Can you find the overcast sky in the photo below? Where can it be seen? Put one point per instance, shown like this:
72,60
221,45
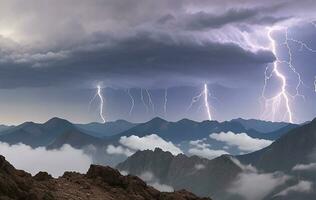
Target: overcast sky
53,54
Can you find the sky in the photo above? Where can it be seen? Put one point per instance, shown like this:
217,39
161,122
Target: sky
151,58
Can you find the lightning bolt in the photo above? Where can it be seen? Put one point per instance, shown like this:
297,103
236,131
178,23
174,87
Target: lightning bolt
165,102
99,94
290,64
143,100
302,45
132,101
282,95
207,106
315,84
92,100
150,100
205,93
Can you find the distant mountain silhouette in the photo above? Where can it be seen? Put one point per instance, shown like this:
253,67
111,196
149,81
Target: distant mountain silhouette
5,128
75,138
186,130
54,133
261,126
200,176
106,129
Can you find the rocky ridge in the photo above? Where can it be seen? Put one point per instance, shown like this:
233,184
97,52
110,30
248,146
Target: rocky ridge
99,183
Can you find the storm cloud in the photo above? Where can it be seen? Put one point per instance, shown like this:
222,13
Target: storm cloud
109,41
77,44
175,43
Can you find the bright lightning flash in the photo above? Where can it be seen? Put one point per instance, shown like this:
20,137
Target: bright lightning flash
165,102
315,84
282,95
207,106
99,94
151,103
205,93
143,100
132,101
101,103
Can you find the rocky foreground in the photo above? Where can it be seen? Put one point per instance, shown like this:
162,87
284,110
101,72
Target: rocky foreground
99,183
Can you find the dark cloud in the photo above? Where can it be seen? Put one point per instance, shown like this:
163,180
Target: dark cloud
203,20
134,42
141,57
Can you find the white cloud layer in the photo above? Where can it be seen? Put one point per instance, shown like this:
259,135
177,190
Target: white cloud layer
199,166
206,152
301,187
151,180
200,143
134,143
201,149
118,150
246,184
305,167
149,142
241,140
55,162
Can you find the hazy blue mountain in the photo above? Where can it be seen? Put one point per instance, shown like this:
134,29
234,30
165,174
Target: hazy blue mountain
183,130
4,128
55,131
204,177
296,147
261,126
186,130
75,138
106,129
201,176
272,135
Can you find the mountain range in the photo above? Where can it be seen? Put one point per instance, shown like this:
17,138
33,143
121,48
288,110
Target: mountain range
4,128
186,130
53,134
56,132
261,126
298,146
198,175
288,162
106,129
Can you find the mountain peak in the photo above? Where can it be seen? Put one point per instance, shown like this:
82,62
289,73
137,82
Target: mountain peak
195,171
157,120
185,120
121,121
314,120
57,121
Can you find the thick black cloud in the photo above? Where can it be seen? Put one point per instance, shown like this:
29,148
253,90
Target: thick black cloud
137,59
136,43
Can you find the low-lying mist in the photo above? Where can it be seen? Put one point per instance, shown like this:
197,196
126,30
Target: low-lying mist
55,162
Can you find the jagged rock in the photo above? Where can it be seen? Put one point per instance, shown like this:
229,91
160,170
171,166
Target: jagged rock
181,171
42,176
100,183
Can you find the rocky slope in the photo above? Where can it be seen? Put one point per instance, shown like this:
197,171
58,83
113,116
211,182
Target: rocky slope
100,183
296,147
201,176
